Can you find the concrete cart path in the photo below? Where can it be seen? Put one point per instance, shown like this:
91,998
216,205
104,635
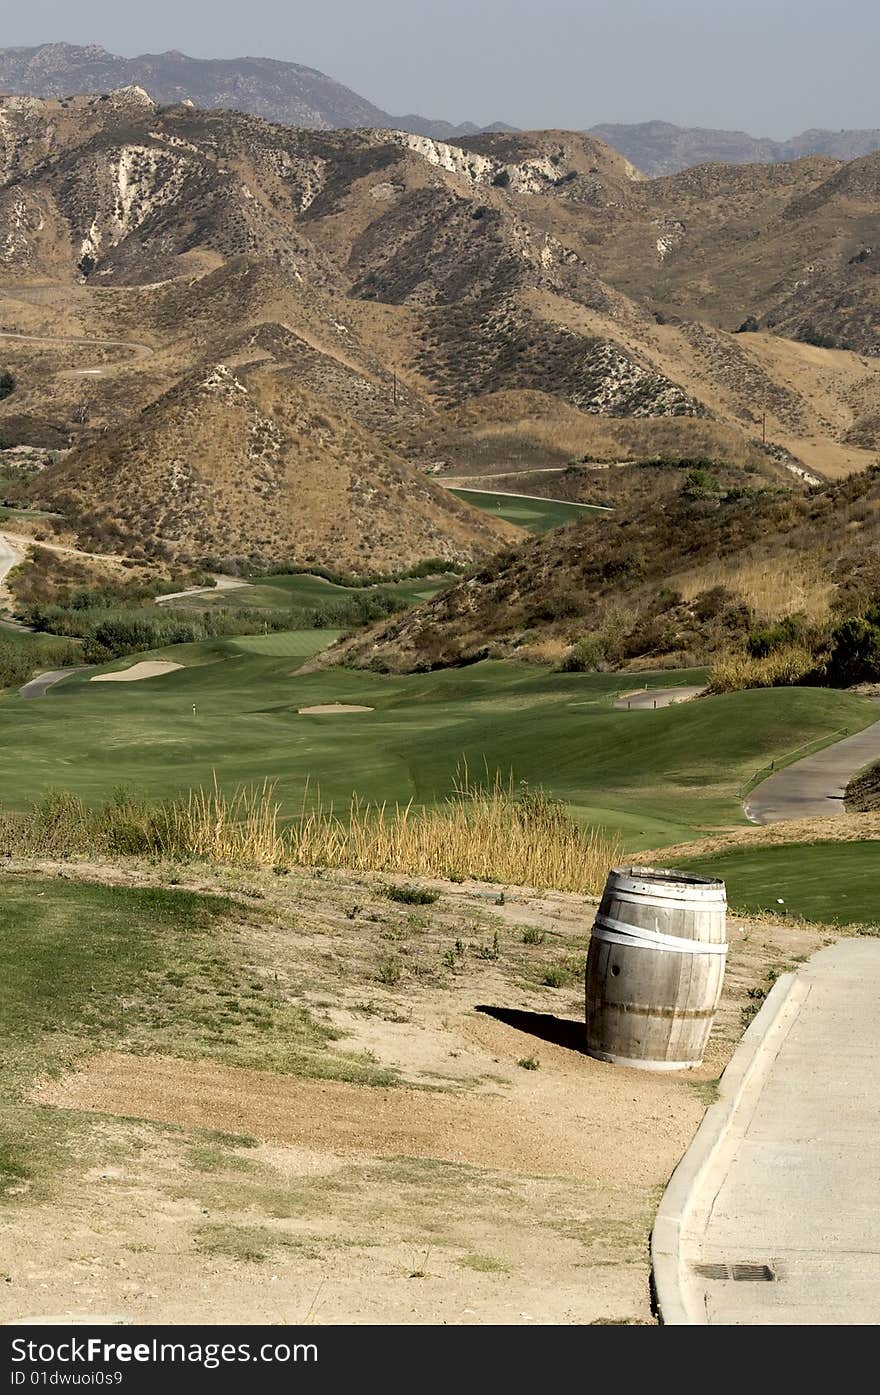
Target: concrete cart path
793,1184
813,788
38,686
649,698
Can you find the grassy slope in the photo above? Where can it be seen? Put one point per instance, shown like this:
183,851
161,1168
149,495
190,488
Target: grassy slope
83,965
538,515
656,776
835,883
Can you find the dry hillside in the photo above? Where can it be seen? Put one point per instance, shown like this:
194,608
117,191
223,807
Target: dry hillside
256,467
501,302
687,564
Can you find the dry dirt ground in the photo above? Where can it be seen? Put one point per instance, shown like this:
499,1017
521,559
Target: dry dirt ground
505,1177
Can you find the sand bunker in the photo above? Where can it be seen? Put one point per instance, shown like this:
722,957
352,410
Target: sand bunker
152,668
332,707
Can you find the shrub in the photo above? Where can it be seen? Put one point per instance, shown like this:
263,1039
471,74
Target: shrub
789,631
587,655
412,895
701,484
20,658
7,384
810,335
855,652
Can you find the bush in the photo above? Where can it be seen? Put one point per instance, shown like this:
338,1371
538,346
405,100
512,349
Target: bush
7,384
412,895
701,484
21,658
819,340
587,655
788,632
855,651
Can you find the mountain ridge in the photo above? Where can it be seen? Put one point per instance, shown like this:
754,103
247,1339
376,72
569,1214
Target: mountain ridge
659,148
271,88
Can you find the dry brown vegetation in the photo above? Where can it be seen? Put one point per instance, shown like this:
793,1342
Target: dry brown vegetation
610,584
771,586
229,465
492,833
784,668
588,311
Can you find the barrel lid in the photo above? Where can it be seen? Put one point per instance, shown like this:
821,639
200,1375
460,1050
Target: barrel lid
668,882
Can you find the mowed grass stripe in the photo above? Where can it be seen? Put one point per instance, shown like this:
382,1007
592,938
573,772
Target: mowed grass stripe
287,644
835,883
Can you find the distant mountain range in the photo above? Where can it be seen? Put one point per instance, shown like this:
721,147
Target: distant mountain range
657,147
298,96
283,92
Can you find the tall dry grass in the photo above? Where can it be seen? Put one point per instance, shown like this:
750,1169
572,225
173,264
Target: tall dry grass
780,669
772,586
494,832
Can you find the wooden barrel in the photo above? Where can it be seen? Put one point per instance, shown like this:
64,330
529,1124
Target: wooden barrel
655,968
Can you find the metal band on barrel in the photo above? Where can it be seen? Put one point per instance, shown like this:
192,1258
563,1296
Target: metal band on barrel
618,932
633,897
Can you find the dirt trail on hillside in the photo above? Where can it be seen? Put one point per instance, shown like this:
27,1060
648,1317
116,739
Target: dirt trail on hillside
137,351
9,558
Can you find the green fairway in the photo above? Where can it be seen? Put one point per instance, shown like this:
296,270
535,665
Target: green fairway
294,592
538,515
657,776
833,882
286,644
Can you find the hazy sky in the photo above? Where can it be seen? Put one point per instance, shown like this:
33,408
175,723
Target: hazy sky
772,67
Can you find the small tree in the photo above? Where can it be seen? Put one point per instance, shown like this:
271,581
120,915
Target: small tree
7,384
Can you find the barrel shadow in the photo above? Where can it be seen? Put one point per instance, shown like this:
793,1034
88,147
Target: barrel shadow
561,1031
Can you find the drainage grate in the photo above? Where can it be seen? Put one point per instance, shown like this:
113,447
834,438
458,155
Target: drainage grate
742,1273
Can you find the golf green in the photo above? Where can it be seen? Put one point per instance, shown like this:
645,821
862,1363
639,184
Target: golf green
657,776
538,515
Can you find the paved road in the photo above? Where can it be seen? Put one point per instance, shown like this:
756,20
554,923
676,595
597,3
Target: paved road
796,1184
649,698
38,686
813,788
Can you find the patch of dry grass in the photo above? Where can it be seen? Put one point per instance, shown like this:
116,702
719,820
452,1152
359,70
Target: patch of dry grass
495,834
492,834
782,668
772,587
